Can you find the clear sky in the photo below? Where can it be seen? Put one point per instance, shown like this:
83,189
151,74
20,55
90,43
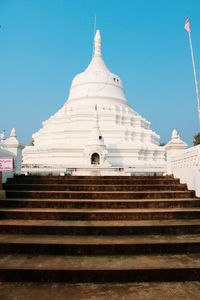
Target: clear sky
45,43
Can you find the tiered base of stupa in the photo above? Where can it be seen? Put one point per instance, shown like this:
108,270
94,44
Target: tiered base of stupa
111,140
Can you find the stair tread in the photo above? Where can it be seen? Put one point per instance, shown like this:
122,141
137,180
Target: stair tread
97,240
101,262
103,184
102,223
101,192
105,200
103,210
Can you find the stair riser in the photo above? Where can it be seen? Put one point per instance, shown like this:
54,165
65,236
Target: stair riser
100,204
100,276
106,195
94,188
114,249
85,230
100,215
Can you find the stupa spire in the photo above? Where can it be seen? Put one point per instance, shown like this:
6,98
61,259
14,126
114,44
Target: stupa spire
97,44
96,137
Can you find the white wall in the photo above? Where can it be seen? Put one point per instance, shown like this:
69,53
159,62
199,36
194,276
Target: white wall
186,166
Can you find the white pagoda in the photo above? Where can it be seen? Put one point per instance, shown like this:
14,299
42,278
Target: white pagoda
95,130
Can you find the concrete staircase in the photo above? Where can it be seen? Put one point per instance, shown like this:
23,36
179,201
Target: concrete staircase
99,229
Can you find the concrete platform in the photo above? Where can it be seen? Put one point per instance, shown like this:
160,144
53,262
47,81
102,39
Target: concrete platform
128,291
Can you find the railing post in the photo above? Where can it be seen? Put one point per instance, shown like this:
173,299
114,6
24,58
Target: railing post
173,148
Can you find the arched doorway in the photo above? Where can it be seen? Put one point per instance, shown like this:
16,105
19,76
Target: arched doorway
95,159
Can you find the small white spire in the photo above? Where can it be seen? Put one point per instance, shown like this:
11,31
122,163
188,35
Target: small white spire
175,142
175,134
13,133
97,43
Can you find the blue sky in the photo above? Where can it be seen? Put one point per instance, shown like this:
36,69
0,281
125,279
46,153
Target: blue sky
45,43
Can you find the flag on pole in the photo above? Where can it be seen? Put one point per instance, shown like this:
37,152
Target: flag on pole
187,25
187,28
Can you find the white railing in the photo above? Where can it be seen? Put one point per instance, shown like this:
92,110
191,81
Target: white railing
41,169
37,168
186,166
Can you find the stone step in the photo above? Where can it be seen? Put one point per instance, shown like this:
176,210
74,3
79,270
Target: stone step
86,181
102,203
99,229
95,187
114,227
100,214
98,245
117,268
99,195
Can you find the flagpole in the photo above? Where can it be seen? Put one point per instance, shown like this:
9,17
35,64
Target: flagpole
195,75
95,24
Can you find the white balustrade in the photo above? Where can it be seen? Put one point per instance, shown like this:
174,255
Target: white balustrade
186,166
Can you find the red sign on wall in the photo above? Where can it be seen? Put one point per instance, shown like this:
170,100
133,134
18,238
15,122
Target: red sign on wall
6,164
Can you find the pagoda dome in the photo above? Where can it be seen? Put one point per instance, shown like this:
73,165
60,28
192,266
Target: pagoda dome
95,128
97,82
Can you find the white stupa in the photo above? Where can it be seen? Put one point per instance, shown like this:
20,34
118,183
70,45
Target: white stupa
95,129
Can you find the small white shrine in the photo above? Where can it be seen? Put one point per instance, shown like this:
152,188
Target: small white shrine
11,147
95,130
